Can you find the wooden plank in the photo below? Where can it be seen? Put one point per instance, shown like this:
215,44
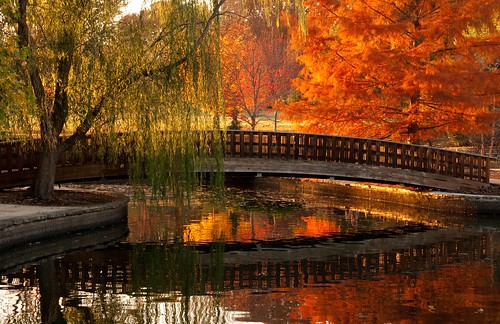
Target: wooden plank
393,148
387,163
488,171
321,152
250,144
288,144
295,154
241,144
403,156
259,150
351,151
377,153
270,138
313,147
233,144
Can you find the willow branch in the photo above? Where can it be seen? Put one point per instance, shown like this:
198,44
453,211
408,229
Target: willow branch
130,78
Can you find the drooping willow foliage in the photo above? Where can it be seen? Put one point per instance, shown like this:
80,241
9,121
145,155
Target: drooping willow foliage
173,112
147,85
13,95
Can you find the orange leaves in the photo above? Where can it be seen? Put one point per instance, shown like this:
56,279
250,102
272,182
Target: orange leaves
257,68
402,69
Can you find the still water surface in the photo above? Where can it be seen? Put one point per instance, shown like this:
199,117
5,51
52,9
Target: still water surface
265,252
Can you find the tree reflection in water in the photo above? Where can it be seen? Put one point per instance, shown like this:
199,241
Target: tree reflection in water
265,259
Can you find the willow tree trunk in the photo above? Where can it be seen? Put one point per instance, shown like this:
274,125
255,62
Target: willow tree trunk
43,183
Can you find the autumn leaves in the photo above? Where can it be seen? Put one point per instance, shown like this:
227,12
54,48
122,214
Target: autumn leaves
406,70
257,65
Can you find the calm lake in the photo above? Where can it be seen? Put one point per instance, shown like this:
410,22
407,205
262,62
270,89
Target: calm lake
264,251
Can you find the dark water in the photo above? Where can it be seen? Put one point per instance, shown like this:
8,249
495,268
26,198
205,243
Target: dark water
266,252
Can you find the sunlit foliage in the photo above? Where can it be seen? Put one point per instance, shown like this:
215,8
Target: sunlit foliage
82,67
152,76
257,64
407,70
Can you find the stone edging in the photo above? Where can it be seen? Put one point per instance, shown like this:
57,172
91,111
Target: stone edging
47,224
424,200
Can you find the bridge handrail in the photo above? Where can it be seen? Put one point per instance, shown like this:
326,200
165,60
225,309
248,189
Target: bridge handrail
360,138
288,145
374,152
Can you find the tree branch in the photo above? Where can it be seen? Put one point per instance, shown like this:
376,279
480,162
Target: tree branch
23,42
128,79
85,125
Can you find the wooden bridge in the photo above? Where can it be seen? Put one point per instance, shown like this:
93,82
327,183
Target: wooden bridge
262,153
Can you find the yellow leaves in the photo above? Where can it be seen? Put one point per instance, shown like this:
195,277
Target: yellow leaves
481,31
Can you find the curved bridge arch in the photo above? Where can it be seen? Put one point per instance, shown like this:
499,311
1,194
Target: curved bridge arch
286,154
317,155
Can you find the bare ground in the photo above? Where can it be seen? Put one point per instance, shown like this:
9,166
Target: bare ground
60,198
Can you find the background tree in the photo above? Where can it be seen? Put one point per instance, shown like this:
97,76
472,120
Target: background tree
406,70
257,63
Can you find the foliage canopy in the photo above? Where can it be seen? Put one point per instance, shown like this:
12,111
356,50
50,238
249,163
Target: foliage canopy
257,65
406,70
73,68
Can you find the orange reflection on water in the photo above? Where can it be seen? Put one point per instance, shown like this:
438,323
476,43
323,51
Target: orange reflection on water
254,226
317,227
444,295
230,227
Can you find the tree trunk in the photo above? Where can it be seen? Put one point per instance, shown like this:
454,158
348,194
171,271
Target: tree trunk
492,141
43,184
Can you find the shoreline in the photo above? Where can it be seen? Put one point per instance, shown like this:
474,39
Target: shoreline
22,224
435,201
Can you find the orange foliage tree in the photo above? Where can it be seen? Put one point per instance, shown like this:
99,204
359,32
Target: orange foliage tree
401,69
257,66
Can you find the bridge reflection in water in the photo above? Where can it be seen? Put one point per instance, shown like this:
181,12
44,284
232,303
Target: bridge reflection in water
114,272
179,283
128,269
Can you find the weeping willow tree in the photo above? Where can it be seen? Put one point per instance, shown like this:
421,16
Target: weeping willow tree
83,68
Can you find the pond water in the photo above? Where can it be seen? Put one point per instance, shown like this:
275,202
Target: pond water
267,251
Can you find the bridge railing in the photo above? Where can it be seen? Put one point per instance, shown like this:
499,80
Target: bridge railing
301,146
18,160
87,159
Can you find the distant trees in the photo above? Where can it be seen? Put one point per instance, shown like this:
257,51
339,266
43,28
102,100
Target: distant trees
257,64
406,70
